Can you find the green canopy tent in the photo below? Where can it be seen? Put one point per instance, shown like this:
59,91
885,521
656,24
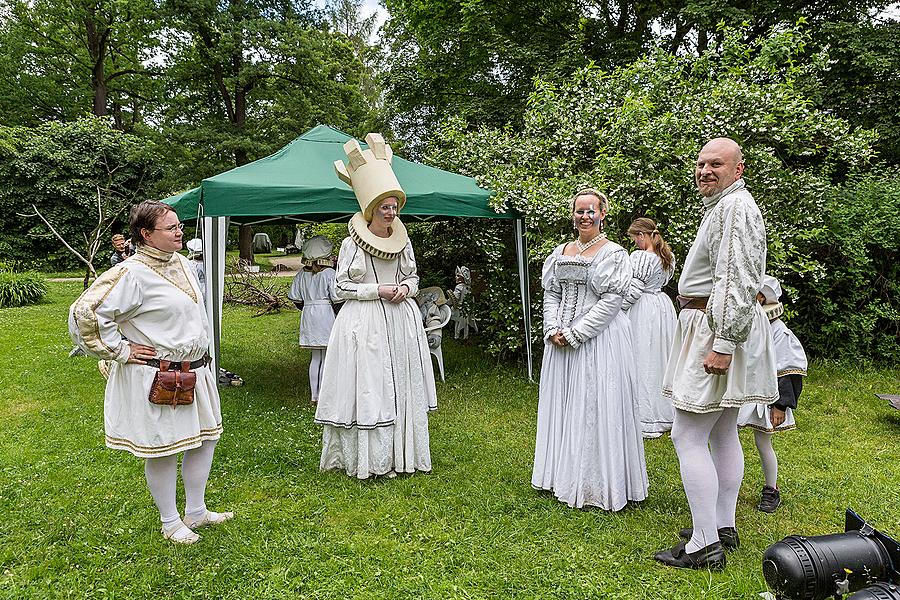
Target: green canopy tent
298,184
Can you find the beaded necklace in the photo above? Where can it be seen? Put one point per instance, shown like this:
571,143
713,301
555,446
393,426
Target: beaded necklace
582,246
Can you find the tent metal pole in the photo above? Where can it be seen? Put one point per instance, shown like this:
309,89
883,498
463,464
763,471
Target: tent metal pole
214,236
524,290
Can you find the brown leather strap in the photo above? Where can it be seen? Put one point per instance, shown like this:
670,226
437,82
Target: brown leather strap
687,303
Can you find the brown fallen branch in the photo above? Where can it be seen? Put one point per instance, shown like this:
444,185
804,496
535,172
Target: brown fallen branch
261,290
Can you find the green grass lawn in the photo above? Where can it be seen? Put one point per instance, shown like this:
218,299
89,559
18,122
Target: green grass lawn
76,519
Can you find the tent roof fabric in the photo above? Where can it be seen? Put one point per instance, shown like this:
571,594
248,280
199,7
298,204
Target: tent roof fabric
299,181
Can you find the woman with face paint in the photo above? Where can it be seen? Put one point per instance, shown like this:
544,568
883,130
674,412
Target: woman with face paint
653,320
588,449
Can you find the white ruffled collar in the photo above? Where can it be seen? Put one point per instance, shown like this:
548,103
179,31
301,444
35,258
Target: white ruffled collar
386,248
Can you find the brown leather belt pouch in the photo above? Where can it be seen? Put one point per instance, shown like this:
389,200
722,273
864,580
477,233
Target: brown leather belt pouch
173,387
692,303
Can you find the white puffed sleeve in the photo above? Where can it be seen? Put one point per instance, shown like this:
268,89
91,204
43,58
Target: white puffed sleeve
737,252
552,293
610,281
350,272
642,267
94,316
407,274
329,275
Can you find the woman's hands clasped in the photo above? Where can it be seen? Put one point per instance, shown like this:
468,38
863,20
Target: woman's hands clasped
558,339
139,354
393,293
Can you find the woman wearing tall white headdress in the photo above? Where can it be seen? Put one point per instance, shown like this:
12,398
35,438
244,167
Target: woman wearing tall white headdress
313,292
377,383
653,320
588,447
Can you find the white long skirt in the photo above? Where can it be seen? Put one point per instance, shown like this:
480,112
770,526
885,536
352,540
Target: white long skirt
148,430
377,389
653,322
589,450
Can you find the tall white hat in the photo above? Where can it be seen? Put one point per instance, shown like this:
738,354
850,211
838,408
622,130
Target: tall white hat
372,179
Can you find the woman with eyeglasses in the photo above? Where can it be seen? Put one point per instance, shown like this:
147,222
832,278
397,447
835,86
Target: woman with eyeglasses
378,384
145,315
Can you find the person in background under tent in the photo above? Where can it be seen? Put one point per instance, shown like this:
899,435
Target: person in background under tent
313,292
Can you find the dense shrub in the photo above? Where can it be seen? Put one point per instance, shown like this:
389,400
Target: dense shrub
21,289
635,133
853,309
62,168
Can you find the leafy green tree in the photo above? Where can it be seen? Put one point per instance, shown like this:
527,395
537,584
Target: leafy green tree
65,171
635,133
861,81
476,59
248,77
78,57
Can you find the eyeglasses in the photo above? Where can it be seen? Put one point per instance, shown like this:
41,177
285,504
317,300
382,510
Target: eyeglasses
171,228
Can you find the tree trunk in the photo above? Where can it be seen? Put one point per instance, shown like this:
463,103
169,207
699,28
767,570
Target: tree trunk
245,243
96,44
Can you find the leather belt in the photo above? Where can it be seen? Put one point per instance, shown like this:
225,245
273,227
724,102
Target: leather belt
176,365
687,303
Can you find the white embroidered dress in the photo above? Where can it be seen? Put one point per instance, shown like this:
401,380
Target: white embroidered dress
653,320
588,448
790,359
153,298
316,290
726,263
377,381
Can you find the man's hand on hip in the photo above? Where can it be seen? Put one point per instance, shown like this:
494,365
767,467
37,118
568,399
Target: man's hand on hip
716,363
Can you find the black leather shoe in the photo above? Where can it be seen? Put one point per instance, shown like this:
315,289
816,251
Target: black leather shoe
727,535
771,500
712,557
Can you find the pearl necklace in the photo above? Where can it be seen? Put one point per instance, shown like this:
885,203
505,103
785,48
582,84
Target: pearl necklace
582,246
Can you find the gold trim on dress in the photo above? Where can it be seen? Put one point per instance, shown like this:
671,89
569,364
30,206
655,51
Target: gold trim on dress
124,444
84,310
182,282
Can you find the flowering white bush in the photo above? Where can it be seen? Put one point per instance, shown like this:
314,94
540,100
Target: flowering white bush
635,134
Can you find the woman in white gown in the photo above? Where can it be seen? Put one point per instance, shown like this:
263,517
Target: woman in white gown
377,384
653,320
588,450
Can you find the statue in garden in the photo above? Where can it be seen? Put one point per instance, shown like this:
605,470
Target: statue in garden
456,298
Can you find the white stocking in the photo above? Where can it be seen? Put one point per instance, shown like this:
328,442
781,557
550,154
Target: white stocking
195,472
767,457
704,472
162,474
728,456
315,372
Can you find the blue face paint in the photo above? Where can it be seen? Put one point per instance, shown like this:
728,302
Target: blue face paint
589,213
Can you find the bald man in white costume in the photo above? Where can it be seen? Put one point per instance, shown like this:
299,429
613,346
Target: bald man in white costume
722,355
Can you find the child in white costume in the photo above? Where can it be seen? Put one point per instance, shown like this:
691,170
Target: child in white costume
314,288
790,361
